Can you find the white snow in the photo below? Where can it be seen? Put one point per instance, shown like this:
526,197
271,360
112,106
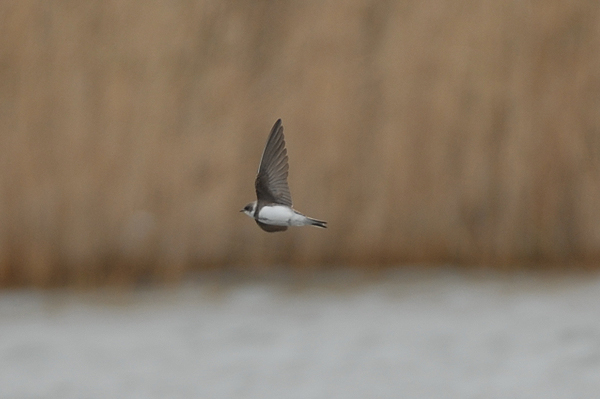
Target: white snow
404,335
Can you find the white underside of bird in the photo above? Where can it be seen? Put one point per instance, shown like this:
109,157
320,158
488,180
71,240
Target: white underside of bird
281,215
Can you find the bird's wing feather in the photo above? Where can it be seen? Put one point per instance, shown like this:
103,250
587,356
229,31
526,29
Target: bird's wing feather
271,181
271,228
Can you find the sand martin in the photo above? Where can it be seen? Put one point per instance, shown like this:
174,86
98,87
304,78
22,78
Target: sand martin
273,209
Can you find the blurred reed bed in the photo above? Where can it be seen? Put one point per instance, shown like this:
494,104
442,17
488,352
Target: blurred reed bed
422,131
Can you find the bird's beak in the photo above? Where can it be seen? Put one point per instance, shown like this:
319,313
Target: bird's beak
241,210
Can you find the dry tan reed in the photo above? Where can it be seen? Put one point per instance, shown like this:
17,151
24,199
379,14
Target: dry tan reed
433,130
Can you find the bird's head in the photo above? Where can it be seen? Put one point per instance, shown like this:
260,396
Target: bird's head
250,209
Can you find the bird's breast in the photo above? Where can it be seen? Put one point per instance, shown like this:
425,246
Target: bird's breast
275,214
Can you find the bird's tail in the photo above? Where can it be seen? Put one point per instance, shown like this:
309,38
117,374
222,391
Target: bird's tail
319,223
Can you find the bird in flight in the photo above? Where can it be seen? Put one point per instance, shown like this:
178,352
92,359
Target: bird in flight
273,209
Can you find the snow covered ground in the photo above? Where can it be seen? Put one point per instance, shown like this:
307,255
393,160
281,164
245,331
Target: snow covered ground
404,335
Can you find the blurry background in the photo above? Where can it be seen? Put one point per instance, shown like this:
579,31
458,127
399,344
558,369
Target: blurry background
461,134
464,132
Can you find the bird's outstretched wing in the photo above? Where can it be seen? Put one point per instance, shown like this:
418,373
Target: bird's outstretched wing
271,182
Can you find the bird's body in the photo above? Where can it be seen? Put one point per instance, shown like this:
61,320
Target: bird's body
273,210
